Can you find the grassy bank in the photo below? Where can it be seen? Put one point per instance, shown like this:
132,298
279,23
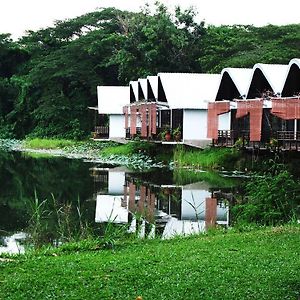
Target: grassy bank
38,143
211,158
262,264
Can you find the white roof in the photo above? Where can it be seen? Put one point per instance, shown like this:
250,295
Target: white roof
274,74
294,61
153,80
143,83
189,90
240,78
111,99
135,88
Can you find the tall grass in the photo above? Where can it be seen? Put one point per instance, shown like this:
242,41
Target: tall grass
210,158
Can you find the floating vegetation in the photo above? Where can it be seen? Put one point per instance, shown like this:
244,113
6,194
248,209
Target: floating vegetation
9,144
134,161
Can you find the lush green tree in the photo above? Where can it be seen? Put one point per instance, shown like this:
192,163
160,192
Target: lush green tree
159,43
244,46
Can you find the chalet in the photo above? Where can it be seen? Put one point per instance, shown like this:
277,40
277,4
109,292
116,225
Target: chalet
256,107
174,103
262,107
141,114
110,122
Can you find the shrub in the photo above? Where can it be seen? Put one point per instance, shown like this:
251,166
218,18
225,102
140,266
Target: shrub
270,199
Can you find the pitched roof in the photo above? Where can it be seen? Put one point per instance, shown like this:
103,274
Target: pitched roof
240,77
143,84
153,81
274,74
111,99
189,90
135,88
289,78
295,61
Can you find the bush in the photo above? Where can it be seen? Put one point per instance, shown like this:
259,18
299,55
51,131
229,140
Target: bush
270,199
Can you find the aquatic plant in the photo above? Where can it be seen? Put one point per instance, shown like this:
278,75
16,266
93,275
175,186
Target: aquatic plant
37,227
9,144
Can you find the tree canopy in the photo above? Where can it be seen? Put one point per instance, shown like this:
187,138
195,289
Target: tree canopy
48,77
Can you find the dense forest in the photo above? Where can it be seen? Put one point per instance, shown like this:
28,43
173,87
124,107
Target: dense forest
48,77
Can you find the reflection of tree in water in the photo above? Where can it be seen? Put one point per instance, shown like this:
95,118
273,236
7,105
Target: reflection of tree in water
21,176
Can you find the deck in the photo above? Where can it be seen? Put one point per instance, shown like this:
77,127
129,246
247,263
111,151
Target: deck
278,141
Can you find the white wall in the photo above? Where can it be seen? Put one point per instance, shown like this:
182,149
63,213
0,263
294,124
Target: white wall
193,205
109,208
116,181
117,126
224,121
194,124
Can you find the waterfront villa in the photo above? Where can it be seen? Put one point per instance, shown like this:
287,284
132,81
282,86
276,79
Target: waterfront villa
254,108
266,115
110,119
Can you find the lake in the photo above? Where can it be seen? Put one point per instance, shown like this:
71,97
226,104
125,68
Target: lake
56,199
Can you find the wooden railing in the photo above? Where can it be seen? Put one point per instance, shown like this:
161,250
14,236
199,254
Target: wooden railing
288,140
280,140
288,135
101,132
159,136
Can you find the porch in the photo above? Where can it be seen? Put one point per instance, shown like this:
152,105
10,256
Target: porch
163,134
279,140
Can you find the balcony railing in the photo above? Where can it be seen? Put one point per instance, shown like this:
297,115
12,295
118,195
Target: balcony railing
159,136
279,140
101,132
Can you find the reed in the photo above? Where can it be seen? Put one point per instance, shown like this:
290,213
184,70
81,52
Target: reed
210,158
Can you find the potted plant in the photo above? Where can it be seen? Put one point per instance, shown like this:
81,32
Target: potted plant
168,135
165,134
177,134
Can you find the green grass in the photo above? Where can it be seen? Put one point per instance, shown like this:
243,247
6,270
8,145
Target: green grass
260,264
50,144
211,158
117,150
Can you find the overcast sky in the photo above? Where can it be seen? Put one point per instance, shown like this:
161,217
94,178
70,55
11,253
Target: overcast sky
16,16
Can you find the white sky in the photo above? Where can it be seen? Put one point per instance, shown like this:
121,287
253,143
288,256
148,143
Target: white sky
16,16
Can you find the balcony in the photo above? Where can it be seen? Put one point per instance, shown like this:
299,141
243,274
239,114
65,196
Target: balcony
279,140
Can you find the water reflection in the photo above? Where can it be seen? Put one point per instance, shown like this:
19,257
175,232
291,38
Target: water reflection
160,203
13,244
153,210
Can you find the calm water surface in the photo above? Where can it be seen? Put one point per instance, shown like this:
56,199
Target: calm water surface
160,203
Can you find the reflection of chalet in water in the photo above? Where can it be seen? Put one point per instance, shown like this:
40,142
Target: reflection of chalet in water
153,210
110,204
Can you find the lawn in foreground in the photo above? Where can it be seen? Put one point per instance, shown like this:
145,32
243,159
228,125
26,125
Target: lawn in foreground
261,264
